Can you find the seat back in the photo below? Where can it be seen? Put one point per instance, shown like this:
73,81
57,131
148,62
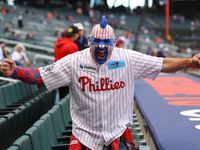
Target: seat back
13,92
23,143
50,128
65,112
54,117
18,90
7,94
13,148
3,131
40,124
11,128
3,104
35,138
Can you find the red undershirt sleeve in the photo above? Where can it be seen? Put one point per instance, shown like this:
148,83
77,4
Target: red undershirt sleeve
28,75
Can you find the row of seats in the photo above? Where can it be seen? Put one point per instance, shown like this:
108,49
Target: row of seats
52,131
21,105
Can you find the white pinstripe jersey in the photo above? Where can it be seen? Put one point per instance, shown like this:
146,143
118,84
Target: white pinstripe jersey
101,100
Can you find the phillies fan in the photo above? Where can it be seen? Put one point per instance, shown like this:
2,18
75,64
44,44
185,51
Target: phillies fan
101,82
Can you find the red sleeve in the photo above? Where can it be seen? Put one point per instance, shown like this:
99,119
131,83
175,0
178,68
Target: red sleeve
28,75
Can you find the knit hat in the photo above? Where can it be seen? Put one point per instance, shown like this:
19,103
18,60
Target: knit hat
71,31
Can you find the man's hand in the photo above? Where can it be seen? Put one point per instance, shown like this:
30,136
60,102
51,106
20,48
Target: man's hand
7,67
196,61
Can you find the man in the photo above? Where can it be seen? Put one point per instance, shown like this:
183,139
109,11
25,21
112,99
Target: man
119,43
160,51
81,42
66,45
63,47
101,81
125,38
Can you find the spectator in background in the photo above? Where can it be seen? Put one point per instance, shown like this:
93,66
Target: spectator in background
28,35
79,10
19,56
18,36
82,41
63,47
33,37
28,11
63,34
150,51
120,43
160,51
4,11
166,52
8,27
125,38
20,21
5,52
1,53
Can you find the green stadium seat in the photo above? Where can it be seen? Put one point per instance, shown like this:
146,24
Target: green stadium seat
50,127
13,148
7,94
3,133
23,143
3,105
58,119
18,90
35,138
40,124
64,105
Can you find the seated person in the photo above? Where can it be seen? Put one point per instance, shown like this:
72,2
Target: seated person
19,56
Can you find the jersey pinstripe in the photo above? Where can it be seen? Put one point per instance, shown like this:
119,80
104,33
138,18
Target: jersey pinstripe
101,101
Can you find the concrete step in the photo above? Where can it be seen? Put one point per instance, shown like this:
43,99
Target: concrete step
135,124
137,135
135,129
139,142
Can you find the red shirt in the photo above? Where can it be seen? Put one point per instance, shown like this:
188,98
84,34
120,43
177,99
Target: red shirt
63,47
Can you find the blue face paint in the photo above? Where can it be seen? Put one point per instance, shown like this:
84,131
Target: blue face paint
96,41
103,22
101,61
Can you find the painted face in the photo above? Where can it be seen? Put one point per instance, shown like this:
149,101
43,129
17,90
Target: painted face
102,41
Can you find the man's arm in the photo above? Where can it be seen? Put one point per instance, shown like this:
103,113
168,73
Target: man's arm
176,64
28,75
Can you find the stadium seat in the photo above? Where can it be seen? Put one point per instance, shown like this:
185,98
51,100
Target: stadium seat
3,131
23,143
59,122
49,125
10,128
65,110
51,131
3,105
35,138
40,124
7,94
13,148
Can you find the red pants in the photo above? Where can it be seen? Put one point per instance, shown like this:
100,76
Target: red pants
126,137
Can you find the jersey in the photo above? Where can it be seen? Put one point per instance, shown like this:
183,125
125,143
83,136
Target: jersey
101,100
